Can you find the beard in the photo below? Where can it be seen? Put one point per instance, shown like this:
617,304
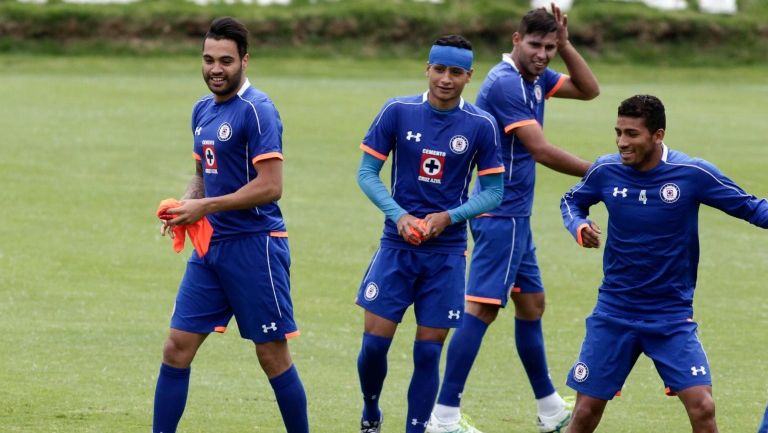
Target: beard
230,83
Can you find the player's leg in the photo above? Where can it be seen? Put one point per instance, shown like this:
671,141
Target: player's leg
680,359
438,305
586,414
255,274
700,406
764,425
200,308
529,300
491,271
385,294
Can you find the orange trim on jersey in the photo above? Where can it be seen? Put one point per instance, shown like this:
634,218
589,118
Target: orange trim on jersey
293,334
279,234
372,152
220,329
559,84
578,233
512,126
618,393
196,156
669,392
516,290
493,170
484,215
270,155
481,300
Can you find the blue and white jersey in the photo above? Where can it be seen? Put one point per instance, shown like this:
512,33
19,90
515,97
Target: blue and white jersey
230,137
514,102
433,155
652,251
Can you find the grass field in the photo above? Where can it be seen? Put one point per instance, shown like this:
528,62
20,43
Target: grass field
89,146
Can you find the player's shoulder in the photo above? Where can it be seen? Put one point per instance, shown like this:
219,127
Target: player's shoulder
476,113
676,158
400,103
605,164
253,96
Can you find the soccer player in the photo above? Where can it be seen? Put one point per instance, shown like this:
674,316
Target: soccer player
238,147
504,260
436,139
645,302
764,425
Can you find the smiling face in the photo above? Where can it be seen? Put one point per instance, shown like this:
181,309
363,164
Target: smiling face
446,84
639,148
223,69
533,52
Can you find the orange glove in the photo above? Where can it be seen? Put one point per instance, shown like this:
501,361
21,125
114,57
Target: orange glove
200,232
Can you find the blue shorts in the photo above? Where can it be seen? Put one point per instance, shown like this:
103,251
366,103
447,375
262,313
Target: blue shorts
248,277
613,344
432,282
503,260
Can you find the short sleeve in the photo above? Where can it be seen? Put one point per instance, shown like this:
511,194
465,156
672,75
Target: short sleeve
265,132
380,138
551,81
508,100
488,151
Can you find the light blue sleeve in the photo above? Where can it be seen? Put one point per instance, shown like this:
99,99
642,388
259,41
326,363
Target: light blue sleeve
371,184
487,200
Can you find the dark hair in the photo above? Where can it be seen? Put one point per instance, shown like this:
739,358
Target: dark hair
457,41
646,107
537,21
232,29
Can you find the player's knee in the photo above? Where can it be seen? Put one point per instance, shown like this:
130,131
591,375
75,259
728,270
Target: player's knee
485,312
529,306
274,358
587,414
702,410
176,354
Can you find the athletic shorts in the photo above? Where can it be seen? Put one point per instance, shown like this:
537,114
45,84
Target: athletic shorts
613,344
248,277
503,260
432,282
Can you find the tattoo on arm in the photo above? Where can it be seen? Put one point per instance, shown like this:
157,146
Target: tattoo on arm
196,186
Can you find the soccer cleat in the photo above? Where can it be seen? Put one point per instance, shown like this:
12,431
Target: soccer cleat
557,422
371,426
463,426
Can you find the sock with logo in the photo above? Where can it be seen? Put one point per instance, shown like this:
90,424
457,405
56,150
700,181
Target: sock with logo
462,351
170,398
424,384
529,340
291,399
372,369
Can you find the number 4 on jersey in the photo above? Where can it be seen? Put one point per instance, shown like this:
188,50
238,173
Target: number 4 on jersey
643,198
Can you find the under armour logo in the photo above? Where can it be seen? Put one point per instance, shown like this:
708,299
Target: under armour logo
416,136
272,327
616,191
695,371
414,421
198,130
454,314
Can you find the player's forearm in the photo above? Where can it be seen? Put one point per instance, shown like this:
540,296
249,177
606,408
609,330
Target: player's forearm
370,183
487,200
195,188
255,193
559,160
581,75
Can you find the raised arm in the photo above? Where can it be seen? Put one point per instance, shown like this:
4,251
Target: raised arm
546,153
582,83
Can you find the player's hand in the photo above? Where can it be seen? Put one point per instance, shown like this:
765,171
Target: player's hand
189,212
436,223
562,25
166,229
590,236
412,229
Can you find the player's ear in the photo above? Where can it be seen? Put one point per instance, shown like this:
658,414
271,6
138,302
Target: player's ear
245,60
658,136
426,72
516,38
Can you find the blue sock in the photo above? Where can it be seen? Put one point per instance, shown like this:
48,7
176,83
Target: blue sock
764,426
291,399
170,398
462,351
372,369
424,384
529,339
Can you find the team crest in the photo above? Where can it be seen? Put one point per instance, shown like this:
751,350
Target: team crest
371,291
210,165
459,144
580,372
225,131
431,166
537,93
670,193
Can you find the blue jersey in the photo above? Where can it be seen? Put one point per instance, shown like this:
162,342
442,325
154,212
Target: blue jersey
652,251
513,102
433,155
230,137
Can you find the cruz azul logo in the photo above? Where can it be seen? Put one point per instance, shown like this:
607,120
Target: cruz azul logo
431,167
210,165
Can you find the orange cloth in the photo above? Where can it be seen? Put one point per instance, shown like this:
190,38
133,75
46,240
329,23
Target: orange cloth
199,232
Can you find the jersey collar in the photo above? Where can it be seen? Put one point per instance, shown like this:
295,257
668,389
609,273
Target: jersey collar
507,58
425,97
664,151
244,87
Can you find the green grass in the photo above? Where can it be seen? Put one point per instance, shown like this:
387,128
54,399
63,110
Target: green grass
87,284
